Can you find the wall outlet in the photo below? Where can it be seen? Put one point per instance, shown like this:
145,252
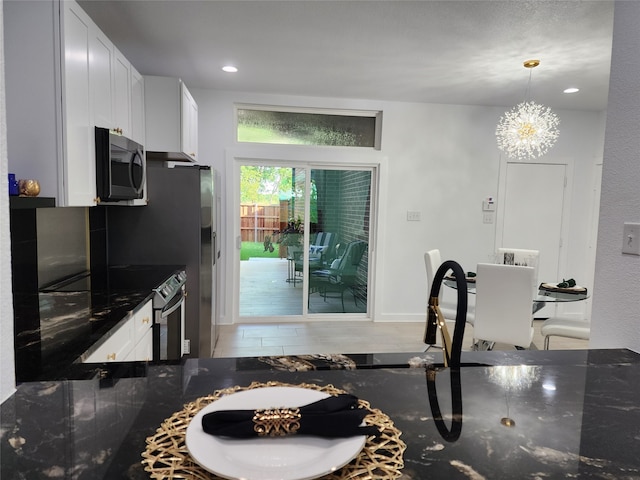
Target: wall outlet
487,217
631,238
186,347
413,216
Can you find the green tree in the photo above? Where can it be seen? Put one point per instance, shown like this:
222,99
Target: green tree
263,184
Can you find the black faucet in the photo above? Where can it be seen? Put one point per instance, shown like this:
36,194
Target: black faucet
435,319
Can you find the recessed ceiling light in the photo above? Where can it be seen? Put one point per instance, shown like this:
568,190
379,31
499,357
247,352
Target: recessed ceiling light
229,69
571,90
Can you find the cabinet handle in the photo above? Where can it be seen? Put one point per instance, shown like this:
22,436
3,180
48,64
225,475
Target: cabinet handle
145,320
111,356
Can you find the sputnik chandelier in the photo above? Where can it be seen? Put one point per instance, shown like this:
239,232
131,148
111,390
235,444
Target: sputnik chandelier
529,129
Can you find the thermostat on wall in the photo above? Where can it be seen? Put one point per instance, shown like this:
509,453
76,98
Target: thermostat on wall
489,205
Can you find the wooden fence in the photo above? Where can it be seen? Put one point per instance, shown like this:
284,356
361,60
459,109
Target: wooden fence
256,221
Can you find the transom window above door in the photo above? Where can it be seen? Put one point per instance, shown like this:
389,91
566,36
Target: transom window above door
305,126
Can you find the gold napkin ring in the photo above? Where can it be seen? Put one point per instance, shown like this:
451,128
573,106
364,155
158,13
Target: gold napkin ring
276,422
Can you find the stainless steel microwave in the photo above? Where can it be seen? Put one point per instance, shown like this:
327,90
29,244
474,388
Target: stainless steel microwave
120,167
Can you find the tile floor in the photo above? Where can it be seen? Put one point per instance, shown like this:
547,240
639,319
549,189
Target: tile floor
264,291
247,340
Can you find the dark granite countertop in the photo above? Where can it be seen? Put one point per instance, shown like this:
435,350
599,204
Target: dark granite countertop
56,325
574,414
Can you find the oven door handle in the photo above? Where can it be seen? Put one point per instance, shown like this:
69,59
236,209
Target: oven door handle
174,307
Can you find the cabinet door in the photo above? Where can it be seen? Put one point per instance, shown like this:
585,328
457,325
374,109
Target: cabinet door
137,107
189,120
193,129
142,334
143,351
142,321
116,348
78,165
101,70
122,89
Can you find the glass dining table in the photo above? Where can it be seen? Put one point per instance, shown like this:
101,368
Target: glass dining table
543,297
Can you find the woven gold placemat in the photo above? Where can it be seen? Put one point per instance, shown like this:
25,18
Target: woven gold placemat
166,455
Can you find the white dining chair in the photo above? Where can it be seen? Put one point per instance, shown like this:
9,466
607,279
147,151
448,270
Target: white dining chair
565,327
432,261
520,257
504,305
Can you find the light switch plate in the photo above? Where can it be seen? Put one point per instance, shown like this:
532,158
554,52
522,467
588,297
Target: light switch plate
631,238
413,216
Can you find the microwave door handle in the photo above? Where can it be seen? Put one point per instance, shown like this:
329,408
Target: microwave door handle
138,188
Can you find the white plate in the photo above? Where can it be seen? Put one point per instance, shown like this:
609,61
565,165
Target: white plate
297,457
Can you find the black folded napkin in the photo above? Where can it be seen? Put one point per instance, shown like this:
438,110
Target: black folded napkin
567,283
333,417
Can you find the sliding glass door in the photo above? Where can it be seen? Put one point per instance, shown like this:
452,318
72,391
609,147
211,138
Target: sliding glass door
305,234
338,241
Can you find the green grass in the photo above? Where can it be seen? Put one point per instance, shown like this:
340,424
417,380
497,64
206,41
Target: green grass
256,249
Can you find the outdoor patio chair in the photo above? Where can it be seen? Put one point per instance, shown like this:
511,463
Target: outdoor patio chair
341,277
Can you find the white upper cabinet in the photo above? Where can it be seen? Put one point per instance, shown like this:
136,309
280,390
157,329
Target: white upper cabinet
112,83
137,107
78,158
101,68
56,96
171,119
189,123
122,97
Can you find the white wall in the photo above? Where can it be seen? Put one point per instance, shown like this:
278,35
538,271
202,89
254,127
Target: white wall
442,161
616,302
7,371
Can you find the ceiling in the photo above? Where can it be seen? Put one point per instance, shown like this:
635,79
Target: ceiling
452,51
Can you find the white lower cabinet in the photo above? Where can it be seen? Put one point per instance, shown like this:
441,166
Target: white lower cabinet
142,335
131,340
116,348
143,351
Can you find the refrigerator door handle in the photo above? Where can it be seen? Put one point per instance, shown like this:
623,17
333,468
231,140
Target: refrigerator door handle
214,250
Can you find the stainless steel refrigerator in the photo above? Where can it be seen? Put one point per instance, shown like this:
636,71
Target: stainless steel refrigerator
177,227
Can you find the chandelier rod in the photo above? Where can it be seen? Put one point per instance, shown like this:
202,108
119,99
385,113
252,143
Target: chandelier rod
530,64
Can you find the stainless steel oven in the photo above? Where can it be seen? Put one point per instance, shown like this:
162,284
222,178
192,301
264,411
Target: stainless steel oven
168,319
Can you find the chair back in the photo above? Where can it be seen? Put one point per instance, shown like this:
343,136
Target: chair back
504,304
520,257
323,244
517,256
432,261
348,265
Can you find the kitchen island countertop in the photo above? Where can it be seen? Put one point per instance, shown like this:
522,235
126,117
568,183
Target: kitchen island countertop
572,414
